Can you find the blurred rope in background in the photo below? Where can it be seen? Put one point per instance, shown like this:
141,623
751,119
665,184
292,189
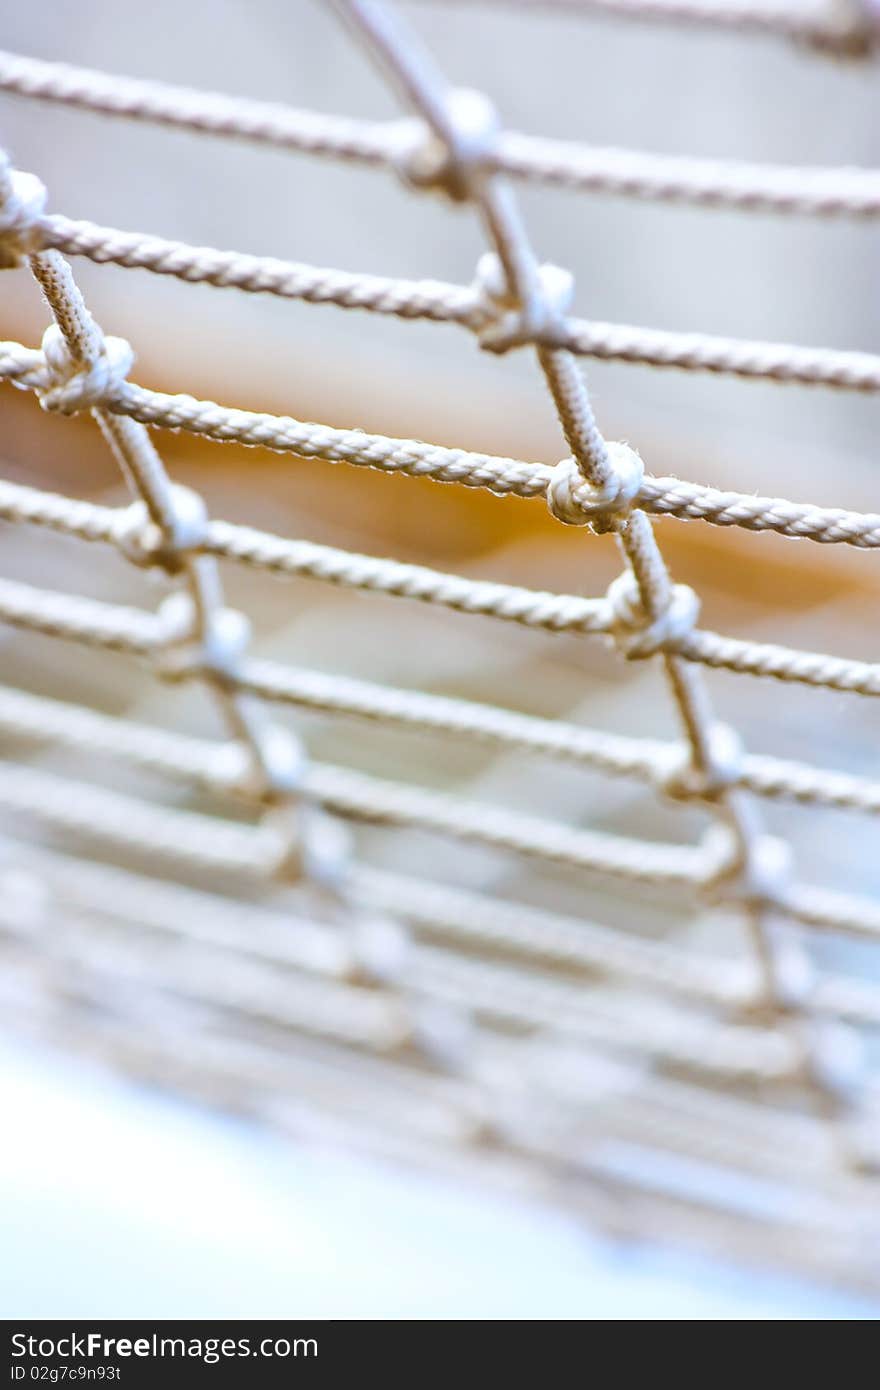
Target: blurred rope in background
687,1063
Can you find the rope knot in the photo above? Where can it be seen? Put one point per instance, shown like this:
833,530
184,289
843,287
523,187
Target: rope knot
22,204
759,876
852,29
455,164
377,950
575,501
145,543
506,322
189,642
834,1058
303,842
277,768
81,385
682,780
637,635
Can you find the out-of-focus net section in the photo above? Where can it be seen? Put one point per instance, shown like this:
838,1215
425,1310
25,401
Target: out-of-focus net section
531,966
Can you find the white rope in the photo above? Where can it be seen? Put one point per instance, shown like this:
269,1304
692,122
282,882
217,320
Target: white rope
651,761
494,924
660,496
193,842
91,621
706,183
414,458
451,915
782,663
649,615
510,997
85,368
436,911
384,803
469,306
355,796
563,163
363,798
498,994
115,627
847,30
787,1024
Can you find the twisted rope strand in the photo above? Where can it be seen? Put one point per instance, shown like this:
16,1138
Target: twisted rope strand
199,637
647,760
663,496
648,613
844,31
187,839
452,915
134,631
103,624
224,847
442,302
563,163
497,993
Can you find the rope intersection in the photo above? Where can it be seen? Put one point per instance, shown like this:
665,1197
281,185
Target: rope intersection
763,1019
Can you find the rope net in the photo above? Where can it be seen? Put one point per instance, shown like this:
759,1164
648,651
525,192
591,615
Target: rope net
432,1022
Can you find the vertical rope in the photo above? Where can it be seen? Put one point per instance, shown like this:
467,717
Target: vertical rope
453,157
76,344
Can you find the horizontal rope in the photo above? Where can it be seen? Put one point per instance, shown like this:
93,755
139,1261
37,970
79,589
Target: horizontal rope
262,550
479,922
829,909
90,621
844,30
345,569
447,303
455,916
535,608
184,108
510,996
95,622
662,496
782,663
561,163
197,763
782,363
125,629
377,1018
615,754
207,265
707,183
359,796
322,1008
451,914
355,796
181,839
194,841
